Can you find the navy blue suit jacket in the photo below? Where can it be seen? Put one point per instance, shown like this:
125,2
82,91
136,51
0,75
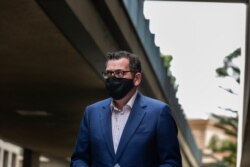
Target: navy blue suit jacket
149,138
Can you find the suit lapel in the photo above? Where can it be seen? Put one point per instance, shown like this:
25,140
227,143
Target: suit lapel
105,119
134,120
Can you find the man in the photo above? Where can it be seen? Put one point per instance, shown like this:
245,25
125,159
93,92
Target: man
128,129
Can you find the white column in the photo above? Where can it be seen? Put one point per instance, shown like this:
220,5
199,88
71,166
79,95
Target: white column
1,155
9,159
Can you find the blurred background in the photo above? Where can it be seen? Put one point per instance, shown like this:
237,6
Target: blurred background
52,55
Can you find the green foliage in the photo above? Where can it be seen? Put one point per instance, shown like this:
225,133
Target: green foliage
228,66
167,60
231,159
214,143
218,145
221,146
227,145
228,90
228,124
167,64
220,164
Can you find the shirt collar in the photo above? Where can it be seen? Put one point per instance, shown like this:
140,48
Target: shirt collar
132,100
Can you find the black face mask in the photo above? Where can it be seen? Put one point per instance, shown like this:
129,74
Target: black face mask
118,87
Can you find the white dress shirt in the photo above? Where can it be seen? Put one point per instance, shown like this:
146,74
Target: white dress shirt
119,120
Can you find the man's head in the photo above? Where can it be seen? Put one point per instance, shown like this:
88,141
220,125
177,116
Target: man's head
134,62
122,73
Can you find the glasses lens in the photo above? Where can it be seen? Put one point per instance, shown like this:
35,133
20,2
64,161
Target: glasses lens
105,75
119,73
116,73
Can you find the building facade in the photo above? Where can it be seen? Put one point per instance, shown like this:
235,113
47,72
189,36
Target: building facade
205,132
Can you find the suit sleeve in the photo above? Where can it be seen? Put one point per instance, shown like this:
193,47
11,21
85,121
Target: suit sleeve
167,141
81,156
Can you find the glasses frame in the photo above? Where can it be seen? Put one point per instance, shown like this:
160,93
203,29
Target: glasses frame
115,73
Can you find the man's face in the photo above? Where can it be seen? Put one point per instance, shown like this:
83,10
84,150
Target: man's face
121,64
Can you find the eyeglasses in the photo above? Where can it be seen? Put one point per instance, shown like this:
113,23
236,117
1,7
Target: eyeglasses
116,73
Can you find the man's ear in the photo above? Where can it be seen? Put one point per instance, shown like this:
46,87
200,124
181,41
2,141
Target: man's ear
137,79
